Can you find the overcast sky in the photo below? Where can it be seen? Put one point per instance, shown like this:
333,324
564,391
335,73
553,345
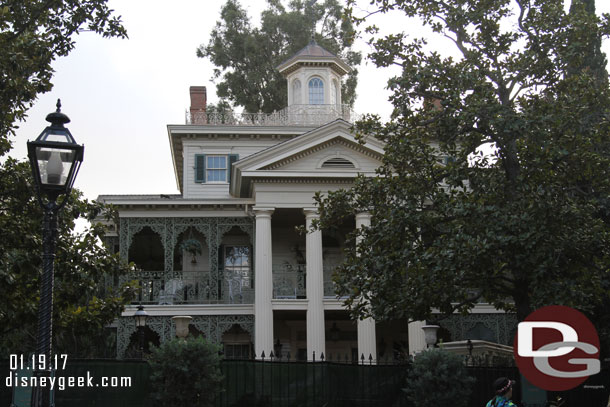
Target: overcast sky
121,94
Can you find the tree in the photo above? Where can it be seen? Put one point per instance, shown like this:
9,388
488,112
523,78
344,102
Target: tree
246,58
436,369
186,373
522,226
83,304
33,33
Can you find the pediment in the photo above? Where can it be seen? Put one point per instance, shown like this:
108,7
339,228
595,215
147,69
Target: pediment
337,155
333,138
325,152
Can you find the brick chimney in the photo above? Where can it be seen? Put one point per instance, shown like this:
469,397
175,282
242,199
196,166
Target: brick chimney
198,104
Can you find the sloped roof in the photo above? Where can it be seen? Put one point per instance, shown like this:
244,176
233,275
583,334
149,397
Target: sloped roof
314,50
313,53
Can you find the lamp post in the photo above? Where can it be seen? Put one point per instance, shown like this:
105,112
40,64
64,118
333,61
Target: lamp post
55,159
140,316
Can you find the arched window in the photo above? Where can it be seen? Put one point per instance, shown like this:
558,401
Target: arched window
296,92
334,93
316,92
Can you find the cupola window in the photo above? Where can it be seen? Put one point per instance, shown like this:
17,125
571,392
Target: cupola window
334,93
316,91
296,92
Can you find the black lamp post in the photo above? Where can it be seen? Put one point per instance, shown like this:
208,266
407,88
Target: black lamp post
140,317
55,159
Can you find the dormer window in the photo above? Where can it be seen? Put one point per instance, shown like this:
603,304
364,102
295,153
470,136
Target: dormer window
338,162
316,91
214,168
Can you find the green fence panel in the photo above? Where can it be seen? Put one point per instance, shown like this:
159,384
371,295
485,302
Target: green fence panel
132,394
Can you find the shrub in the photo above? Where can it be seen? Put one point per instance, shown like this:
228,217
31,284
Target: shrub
185,373
438,379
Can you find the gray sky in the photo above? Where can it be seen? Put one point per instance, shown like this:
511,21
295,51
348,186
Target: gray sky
121,94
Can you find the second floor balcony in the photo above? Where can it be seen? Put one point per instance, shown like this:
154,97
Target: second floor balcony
195,287
294,115
192,287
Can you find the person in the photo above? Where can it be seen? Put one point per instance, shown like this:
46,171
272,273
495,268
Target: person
503,387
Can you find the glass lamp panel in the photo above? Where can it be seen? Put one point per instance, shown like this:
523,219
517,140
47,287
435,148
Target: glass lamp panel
140,320
54,164
60,135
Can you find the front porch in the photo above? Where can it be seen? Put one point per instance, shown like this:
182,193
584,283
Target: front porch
210,260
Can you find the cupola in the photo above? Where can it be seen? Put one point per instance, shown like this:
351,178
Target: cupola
314,76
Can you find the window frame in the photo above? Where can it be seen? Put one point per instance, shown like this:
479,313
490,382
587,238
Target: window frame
319,91
223,170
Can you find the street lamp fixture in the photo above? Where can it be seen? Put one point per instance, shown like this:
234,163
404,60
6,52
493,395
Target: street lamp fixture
140,317
55,159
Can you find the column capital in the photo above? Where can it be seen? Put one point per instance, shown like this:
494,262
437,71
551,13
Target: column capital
364,215
311,213
262,211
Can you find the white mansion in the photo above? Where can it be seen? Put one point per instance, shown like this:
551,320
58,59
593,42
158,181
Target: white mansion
225,251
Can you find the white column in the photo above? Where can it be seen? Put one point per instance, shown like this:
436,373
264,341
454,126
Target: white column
263,283
367,341
417,339
316,340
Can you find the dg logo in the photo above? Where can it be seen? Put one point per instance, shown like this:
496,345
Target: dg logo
557,348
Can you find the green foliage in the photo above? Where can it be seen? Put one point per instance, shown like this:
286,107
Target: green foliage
246,57
525,224
83,304
186,373
438,379
33,33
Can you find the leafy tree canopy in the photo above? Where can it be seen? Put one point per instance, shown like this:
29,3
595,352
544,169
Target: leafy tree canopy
246,57
186,373
524,226
85,296
33,33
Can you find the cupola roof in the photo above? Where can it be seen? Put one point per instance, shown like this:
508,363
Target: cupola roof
314,55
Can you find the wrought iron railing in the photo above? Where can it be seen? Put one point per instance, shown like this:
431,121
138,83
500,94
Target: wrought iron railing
288,281
294,115
329,284
192,287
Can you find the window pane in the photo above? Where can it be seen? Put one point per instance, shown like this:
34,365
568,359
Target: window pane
316,92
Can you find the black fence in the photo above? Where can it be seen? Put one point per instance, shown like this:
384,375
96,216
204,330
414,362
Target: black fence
256,383
331,384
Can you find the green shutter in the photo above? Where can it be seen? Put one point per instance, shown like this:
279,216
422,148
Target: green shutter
232,159
199,167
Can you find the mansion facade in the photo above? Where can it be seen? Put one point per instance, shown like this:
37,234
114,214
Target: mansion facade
225,251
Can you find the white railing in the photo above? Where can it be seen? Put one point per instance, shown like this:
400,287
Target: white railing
295,115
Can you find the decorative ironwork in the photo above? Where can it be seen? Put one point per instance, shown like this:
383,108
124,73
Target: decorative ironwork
288,281
184,287
294,115
212,326
165,288
501,326
329,284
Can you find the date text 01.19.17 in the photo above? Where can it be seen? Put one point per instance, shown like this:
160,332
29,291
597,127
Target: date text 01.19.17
38,362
